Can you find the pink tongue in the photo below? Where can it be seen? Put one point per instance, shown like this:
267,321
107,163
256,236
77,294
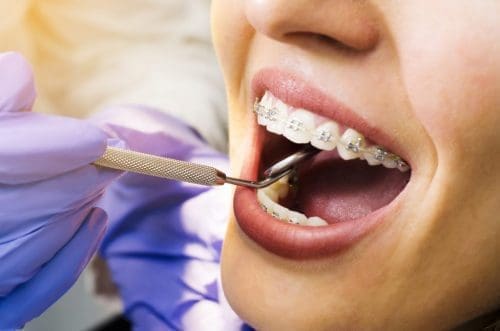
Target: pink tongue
338,190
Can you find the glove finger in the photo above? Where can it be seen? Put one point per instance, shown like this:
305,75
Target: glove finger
28,207
36,146
17,89
27,247
149,131
145,318
127,121
30,299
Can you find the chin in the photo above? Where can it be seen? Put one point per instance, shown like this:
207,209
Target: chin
270,292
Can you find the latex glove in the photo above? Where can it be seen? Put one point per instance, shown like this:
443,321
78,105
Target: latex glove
49,226
164,240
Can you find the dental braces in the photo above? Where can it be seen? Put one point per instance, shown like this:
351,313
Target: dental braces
354,146
276,215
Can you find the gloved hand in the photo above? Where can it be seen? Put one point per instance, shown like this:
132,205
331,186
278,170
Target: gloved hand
49,225
164,238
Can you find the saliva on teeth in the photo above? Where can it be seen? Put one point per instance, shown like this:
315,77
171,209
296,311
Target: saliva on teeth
302,126
268,198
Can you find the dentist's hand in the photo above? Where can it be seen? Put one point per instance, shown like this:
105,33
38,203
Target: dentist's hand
49,225
164,238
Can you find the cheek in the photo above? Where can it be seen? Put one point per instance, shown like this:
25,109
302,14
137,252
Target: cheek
453,85
232,35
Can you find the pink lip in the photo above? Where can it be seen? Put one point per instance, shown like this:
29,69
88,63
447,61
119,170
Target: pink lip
293,241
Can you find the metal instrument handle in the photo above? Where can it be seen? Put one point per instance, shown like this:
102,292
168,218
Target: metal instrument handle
152,165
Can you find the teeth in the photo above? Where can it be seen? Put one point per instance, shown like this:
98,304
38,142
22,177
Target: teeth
277,125
402,165
264,110
390,163
265,200
298,126
375,155
268,198
280,212
295,217
271,207
281,187
271,193
316,221
352,143
325,136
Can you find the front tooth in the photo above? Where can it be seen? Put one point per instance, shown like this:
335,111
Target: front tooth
296,218
316,221
265,109
299,126
325,136
277,121
351,145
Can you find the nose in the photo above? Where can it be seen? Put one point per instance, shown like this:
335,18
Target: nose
347,23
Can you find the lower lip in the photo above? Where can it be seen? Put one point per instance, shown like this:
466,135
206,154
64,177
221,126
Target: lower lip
295,241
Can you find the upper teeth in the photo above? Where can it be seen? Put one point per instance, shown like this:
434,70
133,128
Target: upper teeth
302,126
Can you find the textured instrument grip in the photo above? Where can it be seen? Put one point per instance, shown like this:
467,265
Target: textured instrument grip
152,165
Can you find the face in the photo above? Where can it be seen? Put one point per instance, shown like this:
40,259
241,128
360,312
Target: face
403,83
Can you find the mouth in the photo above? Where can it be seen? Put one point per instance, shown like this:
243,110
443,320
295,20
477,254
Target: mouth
335,198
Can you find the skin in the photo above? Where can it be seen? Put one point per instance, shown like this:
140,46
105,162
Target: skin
428,74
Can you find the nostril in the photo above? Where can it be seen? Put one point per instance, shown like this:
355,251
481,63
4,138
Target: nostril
345,25
310,39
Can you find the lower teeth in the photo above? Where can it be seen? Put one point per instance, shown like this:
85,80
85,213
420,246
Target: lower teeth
268,198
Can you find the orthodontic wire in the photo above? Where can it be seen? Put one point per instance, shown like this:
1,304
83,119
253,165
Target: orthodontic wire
380,153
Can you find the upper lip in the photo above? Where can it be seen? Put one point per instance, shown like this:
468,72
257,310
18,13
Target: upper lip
299,241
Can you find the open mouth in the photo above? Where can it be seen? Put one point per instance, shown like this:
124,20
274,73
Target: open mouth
332,199
348,179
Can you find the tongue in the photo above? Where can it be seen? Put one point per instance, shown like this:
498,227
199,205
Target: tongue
338,190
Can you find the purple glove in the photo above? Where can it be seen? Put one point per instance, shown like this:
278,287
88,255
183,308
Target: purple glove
164,240
49,226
